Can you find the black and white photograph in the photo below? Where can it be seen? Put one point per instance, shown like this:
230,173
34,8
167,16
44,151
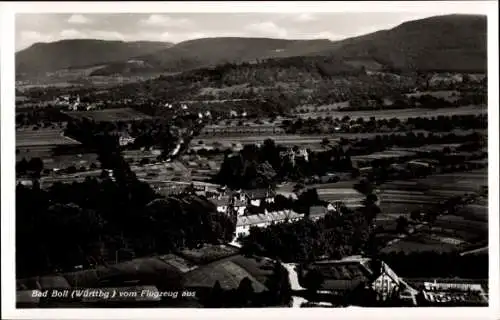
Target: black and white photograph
306,159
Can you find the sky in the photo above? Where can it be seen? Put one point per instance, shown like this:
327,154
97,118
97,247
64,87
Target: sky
176,27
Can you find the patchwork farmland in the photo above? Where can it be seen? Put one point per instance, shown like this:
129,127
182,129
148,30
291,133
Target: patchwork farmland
377,169
42,137
400,114
468,226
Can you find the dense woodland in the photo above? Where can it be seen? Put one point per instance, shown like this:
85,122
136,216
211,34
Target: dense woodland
329,124
278,294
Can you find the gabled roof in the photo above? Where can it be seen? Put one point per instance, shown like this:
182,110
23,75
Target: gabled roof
259,193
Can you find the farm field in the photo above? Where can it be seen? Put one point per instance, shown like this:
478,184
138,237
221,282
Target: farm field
470,231
347,195
161,171
421,242
47,181
448,233
388,154
399,201
445,184
42,137
237,141
418,283
29,152
478,212
450,95
137,155
118,114
345,185
214,263
467,227
65,161
208,254
429,147
401,113
230,271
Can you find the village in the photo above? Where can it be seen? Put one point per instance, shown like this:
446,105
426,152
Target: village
251,172
192,168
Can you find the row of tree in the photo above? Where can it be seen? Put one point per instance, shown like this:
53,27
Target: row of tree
348,125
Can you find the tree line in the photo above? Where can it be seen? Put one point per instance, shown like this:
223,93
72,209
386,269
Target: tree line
348,125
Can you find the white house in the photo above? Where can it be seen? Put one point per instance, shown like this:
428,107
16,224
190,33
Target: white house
224,202
435,293
125,140
75,105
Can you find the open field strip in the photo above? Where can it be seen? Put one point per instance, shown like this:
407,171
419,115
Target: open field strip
209,142
115,114
42,137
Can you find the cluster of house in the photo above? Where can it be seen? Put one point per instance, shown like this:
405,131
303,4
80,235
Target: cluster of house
449,78
185,107
453,293
418,165
171,106
125,139
74,104
295,154
242,129
235,114
344,282
348,277
241,203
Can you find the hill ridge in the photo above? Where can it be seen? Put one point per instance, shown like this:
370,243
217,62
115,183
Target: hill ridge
447,42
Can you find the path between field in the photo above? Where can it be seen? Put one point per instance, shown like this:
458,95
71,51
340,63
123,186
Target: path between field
474,251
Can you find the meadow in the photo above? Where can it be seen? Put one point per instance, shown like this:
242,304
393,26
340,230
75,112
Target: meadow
109,115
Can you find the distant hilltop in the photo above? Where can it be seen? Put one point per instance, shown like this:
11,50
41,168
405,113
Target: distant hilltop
446,43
